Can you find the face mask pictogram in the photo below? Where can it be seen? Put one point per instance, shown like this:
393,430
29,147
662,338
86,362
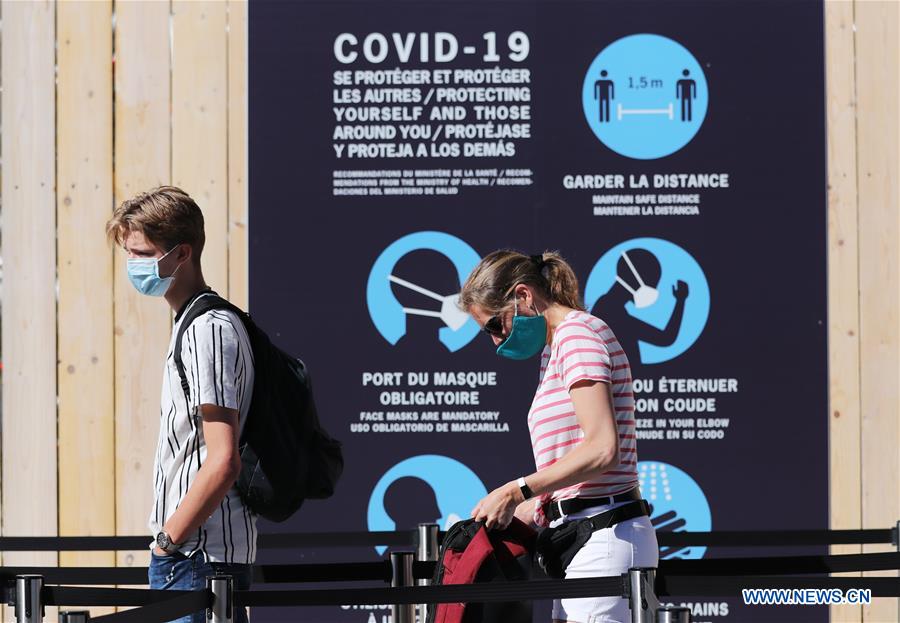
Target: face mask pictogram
450,314
645,295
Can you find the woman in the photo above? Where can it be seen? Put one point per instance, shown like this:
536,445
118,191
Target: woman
581,421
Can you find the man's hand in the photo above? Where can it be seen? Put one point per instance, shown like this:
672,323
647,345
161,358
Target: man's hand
680,290
498,508
214,478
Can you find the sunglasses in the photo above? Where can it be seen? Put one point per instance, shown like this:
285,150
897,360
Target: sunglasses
494,326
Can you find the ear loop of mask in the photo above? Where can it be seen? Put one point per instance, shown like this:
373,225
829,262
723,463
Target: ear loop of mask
516,302
172,276
164,257
516,307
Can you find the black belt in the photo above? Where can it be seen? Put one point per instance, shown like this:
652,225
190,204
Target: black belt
555,510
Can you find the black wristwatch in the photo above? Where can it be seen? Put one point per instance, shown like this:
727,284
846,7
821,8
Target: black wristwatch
164,542
527,493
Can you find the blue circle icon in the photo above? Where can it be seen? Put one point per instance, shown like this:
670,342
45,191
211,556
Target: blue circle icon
389,315
679,504
456,490
659,285
645,96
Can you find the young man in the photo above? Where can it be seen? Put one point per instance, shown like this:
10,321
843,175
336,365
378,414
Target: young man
200,524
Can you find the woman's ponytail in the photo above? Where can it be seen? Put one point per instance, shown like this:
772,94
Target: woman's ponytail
561,281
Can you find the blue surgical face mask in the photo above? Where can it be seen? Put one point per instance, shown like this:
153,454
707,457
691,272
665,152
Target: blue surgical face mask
527,337
143,273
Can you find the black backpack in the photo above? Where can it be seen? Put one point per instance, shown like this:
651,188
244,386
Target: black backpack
286,455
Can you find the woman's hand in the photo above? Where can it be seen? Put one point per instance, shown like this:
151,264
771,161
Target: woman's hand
498,508
525,511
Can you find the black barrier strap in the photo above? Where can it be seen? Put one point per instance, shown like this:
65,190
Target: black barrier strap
408,538
782,565
381,570
265,541
67,596
164,603
264,574
79,576
161,612
337,572
339,539
423,569
555,589
736,538
73,543
728,586
495,591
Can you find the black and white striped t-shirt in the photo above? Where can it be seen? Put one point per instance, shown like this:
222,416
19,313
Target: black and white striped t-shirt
218,363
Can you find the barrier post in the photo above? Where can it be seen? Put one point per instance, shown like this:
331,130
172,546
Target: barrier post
402,575
642,594
672,614
74,616
29,608
222,608
427,551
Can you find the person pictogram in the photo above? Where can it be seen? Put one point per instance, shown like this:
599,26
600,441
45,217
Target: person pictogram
604,91
686,91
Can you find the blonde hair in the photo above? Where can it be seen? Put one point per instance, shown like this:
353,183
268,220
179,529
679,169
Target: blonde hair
167,216
493,281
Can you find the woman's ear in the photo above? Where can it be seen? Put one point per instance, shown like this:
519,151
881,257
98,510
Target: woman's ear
524,296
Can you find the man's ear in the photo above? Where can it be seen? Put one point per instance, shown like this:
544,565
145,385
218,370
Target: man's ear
184,253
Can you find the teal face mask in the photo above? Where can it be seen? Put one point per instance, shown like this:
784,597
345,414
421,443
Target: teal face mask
527,337
143,273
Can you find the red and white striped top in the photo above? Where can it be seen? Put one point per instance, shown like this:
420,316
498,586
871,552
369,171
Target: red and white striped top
583,348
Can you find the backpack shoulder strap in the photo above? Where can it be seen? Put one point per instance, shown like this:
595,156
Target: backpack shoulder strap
206,301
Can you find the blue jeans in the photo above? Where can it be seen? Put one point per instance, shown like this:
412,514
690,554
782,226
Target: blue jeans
180,573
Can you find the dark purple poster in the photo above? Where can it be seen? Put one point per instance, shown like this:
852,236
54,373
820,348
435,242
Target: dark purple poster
673,152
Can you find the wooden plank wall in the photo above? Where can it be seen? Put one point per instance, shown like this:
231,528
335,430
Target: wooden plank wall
877,86
142,153
200,123
152,93
84,197
864,289
29,424
843,268
159,77
238,188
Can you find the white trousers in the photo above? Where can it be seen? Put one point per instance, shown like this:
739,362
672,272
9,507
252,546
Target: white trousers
611,551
